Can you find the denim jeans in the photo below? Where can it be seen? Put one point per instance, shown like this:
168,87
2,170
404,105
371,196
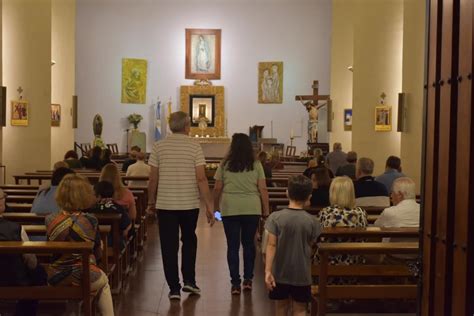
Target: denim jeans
240,229
169,224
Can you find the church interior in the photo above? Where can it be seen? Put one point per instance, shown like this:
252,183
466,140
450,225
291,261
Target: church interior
303,79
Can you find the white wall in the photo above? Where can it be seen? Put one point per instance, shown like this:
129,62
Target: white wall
296,32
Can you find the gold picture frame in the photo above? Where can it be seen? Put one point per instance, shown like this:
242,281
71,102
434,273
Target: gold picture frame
55,115
19,113
203,54
212,98
383,118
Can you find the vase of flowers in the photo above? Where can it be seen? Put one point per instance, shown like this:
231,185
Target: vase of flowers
134,119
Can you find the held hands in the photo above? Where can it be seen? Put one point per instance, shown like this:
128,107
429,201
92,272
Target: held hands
210,216
269,281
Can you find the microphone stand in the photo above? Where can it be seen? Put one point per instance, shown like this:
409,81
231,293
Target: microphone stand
126,139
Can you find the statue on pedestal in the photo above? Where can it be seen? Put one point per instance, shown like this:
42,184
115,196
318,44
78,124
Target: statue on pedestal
97,125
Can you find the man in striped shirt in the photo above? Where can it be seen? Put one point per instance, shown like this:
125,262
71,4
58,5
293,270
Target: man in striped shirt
177,184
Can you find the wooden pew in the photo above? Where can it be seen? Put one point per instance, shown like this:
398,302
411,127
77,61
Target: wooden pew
113,220
40,230
82,292
370,232
323,292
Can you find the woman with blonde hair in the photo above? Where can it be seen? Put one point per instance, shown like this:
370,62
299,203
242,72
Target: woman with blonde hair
122,195
342,212
74,195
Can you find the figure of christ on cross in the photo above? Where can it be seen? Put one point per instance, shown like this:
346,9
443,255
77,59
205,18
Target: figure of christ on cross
312,107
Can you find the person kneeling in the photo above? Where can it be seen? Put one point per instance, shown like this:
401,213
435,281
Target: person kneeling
291,235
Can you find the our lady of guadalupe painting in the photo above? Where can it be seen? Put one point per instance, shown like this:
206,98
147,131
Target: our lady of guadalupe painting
134,77
203,54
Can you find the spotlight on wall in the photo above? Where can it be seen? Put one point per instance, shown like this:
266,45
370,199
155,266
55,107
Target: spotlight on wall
350,68
53,62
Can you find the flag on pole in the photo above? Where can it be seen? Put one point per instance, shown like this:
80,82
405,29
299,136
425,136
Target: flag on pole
158,121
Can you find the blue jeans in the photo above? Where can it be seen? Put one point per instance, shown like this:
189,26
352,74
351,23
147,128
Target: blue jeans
240,228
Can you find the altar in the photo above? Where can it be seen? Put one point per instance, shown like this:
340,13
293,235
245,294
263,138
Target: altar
214,147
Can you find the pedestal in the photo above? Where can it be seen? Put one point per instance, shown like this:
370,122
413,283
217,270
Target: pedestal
137,138
214,147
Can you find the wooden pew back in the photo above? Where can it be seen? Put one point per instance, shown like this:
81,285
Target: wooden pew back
82,292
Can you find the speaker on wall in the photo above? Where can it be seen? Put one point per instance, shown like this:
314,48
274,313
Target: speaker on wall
402,112
74,111
3,106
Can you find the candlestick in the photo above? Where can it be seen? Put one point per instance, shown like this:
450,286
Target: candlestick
292,133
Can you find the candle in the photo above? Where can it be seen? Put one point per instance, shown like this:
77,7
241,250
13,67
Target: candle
292,133
169,108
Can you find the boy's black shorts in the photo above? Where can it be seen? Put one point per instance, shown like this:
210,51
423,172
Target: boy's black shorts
300,294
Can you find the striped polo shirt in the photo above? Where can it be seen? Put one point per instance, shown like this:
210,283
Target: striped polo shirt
176,158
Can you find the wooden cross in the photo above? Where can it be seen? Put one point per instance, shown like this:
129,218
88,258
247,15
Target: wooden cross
20,90
315,98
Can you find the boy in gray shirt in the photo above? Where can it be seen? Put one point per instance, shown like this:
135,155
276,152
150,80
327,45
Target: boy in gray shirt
291,234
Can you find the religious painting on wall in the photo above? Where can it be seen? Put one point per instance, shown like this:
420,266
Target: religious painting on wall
134,77
203,54
19,113
55,115
202,108
348,119
383,118
270,82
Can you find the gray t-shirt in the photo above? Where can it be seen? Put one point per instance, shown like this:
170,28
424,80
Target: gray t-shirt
295,230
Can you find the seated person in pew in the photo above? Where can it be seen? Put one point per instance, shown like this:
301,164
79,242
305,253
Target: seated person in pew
93,159
72,160
74,195
133,158
322,164
138,169
106,158
311,166
404,213
104,192
342,212
267,169
19,270
321,181
368,191
122,195
349,169
45,202
291,235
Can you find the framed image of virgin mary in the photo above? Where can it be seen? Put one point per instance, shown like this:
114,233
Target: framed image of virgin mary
203,54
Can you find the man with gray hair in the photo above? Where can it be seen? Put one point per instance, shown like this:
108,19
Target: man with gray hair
406,211
369,192
177,184
336,158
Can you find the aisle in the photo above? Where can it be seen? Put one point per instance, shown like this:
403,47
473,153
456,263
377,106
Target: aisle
148,292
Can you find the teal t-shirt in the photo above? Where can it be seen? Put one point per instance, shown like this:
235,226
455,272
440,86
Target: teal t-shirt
240,195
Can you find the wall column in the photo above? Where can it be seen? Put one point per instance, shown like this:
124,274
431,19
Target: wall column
378,39
27,63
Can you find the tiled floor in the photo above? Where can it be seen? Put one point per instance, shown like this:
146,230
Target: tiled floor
147,292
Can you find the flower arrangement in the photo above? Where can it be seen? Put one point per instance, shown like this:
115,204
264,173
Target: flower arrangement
134,119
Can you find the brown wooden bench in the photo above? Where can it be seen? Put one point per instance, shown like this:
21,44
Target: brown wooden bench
371,232
324,291
104,230
82,292
115,254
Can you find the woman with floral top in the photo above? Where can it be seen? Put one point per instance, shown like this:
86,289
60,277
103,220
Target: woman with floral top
342,213
74,195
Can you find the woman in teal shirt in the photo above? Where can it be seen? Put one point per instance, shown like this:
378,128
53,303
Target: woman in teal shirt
241,192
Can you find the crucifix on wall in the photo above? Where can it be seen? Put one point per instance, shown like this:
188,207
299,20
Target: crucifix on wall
311,102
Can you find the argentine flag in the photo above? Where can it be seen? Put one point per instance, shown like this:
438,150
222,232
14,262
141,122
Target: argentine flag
158,121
